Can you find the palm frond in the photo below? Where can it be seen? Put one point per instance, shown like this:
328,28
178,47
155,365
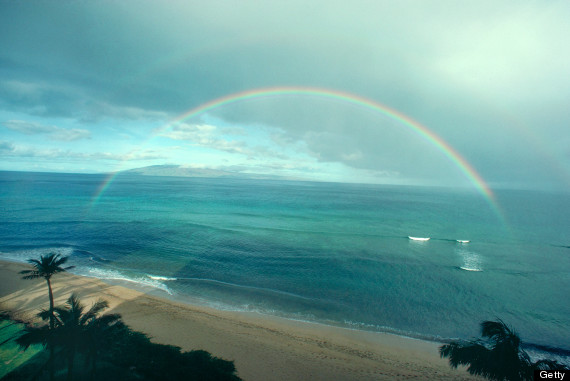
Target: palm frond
34,262
58,261
95,309
108,320
495,330
75,306
504,338
31,274
34,335
44,314
499,357
465,353
62,315
46,266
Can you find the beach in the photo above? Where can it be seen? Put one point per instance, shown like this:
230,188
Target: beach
262,347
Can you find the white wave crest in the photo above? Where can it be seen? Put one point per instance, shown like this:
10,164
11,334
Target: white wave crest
469,268
419,238
117,275
158,277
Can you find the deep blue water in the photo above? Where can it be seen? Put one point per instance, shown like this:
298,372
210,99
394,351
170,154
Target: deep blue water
334,253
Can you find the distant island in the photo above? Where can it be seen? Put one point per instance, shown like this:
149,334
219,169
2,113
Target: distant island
172,170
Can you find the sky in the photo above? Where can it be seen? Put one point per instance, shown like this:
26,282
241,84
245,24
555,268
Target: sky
101,86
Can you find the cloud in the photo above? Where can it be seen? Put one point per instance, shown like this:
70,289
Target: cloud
6,147
59,99
191,132
212,137
20,90
461,69
53,132
29,128
41,97
207,136
9,150
135,155
96,110
513,50
235,131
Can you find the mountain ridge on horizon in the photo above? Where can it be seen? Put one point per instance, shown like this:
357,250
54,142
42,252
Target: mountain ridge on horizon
175,170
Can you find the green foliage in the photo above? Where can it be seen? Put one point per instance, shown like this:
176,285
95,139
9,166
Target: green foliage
102,347
150,361
46,266
11,354
498,357
108,348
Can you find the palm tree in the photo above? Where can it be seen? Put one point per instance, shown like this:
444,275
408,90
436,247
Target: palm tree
80,330
98,331
34,335
499,357
75,330
46,267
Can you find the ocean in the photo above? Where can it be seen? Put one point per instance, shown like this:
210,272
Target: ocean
332,253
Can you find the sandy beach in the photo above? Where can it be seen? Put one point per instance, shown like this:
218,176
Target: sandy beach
262,347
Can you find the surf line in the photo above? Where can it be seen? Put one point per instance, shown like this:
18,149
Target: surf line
441,145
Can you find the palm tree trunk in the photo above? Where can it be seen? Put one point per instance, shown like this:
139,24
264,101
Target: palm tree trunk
50,293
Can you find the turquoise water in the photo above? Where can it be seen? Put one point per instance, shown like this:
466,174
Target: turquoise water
333,253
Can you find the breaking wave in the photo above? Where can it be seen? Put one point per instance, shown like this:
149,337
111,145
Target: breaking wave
143,280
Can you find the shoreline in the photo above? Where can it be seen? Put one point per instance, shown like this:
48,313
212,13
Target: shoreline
162,291
263,347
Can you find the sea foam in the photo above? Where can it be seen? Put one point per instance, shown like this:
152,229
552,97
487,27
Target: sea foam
117,275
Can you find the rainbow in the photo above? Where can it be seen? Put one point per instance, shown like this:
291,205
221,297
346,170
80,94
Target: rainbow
468,171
